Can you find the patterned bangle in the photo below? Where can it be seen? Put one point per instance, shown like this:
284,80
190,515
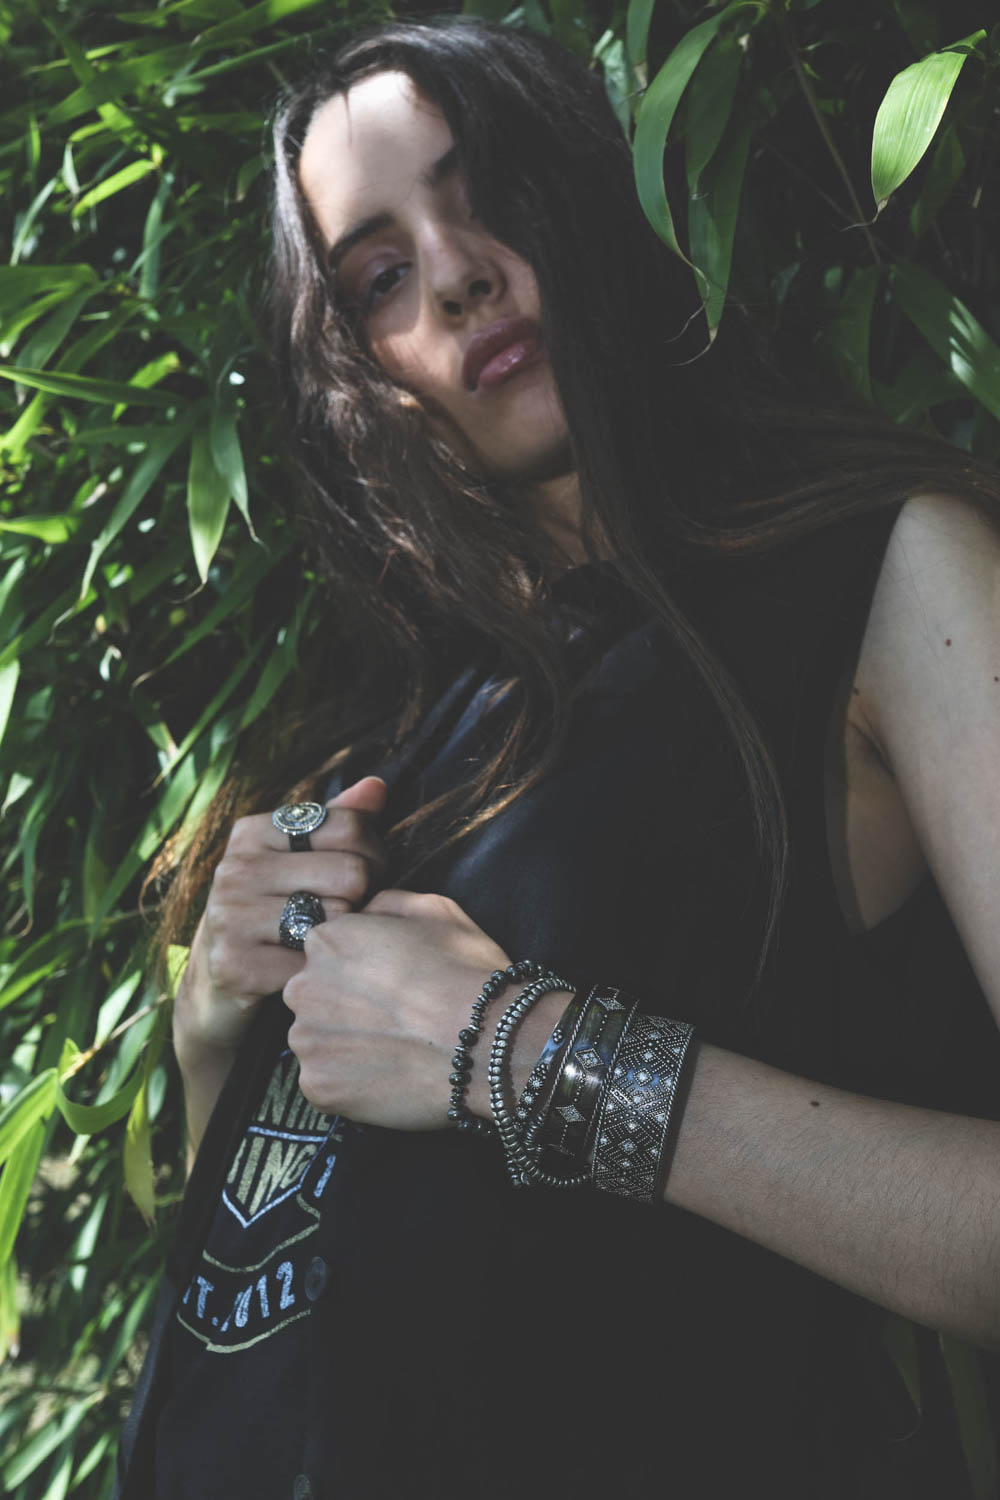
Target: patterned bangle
537,1093
634,1120
567,1126
459,1114
521,1163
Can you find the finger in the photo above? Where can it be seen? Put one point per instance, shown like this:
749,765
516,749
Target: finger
267,924
243,879
345,829
411,904
367,795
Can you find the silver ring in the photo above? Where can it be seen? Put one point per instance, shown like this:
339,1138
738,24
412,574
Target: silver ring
299,820
301,912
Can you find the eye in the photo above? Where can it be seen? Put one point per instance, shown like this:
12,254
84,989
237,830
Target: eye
381,285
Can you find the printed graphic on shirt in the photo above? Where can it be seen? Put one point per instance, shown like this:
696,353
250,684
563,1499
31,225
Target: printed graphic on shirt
250,1281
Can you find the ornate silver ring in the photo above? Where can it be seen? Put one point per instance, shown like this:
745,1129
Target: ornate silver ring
298,820
301,912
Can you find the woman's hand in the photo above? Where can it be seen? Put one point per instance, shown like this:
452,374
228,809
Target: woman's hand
237,957
378,1005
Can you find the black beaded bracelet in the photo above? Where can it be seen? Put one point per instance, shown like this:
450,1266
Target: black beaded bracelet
459,1114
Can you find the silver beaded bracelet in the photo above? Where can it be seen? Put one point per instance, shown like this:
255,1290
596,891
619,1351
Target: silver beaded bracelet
522,1161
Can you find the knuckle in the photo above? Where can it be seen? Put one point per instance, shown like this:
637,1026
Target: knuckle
354,877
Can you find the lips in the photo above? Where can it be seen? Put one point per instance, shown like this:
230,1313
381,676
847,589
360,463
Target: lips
498,351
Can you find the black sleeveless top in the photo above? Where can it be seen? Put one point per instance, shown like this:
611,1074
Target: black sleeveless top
472,1341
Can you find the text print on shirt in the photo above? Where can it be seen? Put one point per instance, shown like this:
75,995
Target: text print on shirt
249,1282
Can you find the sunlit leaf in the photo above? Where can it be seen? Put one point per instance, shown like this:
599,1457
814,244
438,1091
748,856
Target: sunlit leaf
227,456
15,1183
910,114
32,1104
138,1148
207,500
145,475
85,1119
952,332
86,387
32,1454
46,528
8,685
124,178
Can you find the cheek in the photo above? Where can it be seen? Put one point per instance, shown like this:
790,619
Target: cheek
404,359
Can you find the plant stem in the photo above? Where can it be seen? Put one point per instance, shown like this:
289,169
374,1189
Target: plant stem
810,96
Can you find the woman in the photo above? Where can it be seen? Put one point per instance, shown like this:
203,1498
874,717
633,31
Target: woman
701,708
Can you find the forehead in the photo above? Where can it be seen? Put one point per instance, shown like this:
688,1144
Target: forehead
366,150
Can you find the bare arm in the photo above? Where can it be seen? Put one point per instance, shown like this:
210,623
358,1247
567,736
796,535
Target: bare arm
901,1205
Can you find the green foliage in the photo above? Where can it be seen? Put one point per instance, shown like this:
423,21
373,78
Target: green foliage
150,606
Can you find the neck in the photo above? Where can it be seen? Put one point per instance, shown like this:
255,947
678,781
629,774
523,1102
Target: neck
557,503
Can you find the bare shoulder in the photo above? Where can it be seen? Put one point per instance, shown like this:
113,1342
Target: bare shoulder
933,634
929,693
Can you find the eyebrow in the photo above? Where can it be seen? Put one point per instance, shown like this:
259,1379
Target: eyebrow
375,223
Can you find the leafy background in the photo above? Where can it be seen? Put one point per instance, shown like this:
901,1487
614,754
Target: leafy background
153,604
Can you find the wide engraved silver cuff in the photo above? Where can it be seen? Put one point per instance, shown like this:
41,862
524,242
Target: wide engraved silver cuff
632,1130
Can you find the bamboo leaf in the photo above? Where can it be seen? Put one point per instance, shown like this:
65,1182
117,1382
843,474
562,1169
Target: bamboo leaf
85,1119
952,332
10,1320
8,685
17,283
207,502
32,1104
255,19
138,1148
227,456
32,1454
848,334
656,114
52,529
712,215
146,473
637,19
910,113
15,1184
124,178
710,105
946,167
86,387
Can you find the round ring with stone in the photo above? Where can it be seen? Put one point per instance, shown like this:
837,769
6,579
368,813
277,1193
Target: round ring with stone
298,820
302,911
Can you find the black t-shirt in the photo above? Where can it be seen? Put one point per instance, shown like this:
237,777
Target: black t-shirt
471,1341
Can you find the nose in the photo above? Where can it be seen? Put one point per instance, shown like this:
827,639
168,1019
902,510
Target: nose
461,273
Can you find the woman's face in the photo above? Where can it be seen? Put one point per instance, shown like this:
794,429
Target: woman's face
449,312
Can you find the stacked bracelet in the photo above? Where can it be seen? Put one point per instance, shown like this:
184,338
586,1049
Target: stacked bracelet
568,1124
600,1096
461,1063
635,1113
522,1161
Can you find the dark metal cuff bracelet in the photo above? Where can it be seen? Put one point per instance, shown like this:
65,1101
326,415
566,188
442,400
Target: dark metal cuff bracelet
570,1119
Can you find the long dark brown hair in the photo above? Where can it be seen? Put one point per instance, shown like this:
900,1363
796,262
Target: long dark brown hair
424,559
